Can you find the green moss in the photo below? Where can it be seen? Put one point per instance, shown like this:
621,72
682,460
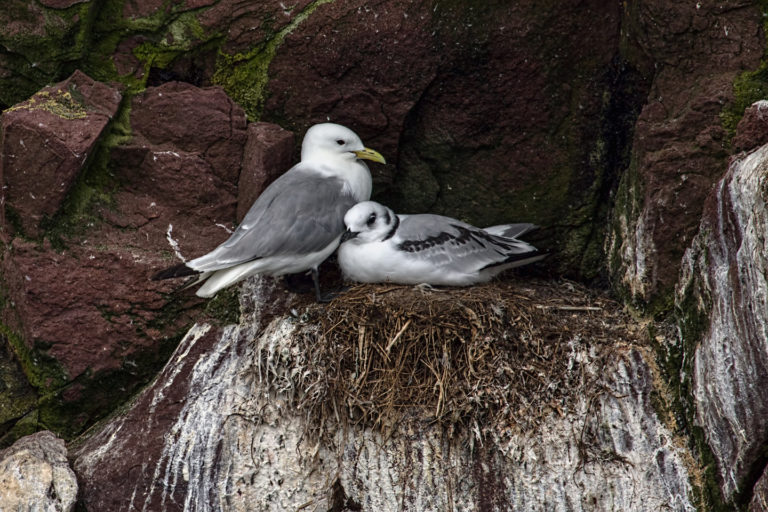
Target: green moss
224,308
42,371
17,397
27,425
749,86
93,186
37,55
65,104
244,76
167,33
181,37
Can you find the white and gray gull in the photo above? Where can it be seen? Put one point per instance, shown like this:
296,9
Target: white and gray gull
296,223
380,246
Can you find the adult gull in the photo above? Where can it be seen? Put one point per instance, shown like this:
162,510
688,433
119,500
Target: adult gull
296,223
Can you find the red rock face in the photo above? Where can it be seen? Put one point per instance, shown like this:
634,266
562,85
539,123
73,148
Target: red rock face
679,150
488,112
752,131
46,141
198,121
61,4
89,305
355,63
268,154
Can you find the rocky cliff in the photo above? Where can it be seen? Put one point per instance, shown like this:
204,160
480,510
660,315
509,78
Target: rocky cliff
135,132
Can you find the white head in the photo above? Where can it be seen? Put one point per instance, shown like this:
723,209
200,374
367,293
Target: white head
329,139
369,221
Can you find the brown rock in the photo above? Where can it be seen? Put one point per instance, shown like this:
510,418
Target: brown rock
248,23
45,142
195,120
759,501
88,310
61,4
330,68
752,130
694,52
269,152
85,304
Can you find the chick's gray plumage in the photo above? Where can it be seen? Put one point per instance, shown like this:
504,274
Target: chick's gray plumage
380,246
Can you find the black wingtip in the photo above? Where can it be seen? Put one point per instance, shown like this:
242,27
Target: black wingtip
179,270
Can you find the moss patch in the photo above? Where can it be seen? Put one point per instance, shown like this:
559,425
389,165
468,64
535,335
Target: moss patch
64,104
224,307
38,55
749,86
244,76
27,425
42,371
17,396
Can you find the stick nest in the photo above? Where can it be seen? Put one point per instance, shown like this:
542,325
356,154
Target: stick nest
502,355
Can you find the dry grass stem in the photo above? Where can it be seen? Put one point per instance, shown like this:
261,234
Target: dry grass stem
504,355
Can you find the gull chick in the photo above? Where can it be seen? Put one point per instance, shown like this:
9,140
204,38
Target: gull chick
296,223
380,246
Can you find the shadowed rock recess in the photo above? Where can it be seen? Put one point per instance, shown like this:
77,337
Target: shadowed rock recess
135,134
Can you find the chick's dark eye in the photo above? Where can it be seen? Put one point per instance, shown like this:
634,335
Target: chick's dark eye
340,142
371,220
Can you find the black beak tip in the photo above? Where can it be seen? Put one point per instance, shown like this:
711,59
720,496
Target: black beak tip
348,235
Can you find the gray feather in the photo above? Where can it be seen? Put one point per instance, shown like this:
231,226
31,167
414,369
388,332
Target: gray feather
301,212
445,241
511,230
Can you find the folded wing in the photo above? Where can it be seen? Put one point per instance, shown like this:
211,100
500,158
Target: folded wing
301,212
454,245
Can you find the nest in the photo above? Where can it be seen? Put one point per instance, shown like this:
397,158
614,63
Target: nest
503,354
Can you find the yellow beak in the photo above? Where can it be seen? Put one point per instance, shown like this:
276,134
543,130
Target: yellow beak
370,154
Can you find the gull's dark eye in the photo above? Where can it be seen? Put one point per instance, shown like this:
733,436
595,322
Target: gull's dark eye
371,220
340,142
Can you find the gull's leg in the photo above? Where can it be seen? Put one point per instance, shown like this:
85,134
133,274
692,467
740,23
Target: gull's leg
327,296
320,297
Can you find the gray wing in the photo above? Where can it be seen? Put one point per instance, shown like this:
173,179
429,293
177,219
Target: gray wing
299,213
445,241
511,230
